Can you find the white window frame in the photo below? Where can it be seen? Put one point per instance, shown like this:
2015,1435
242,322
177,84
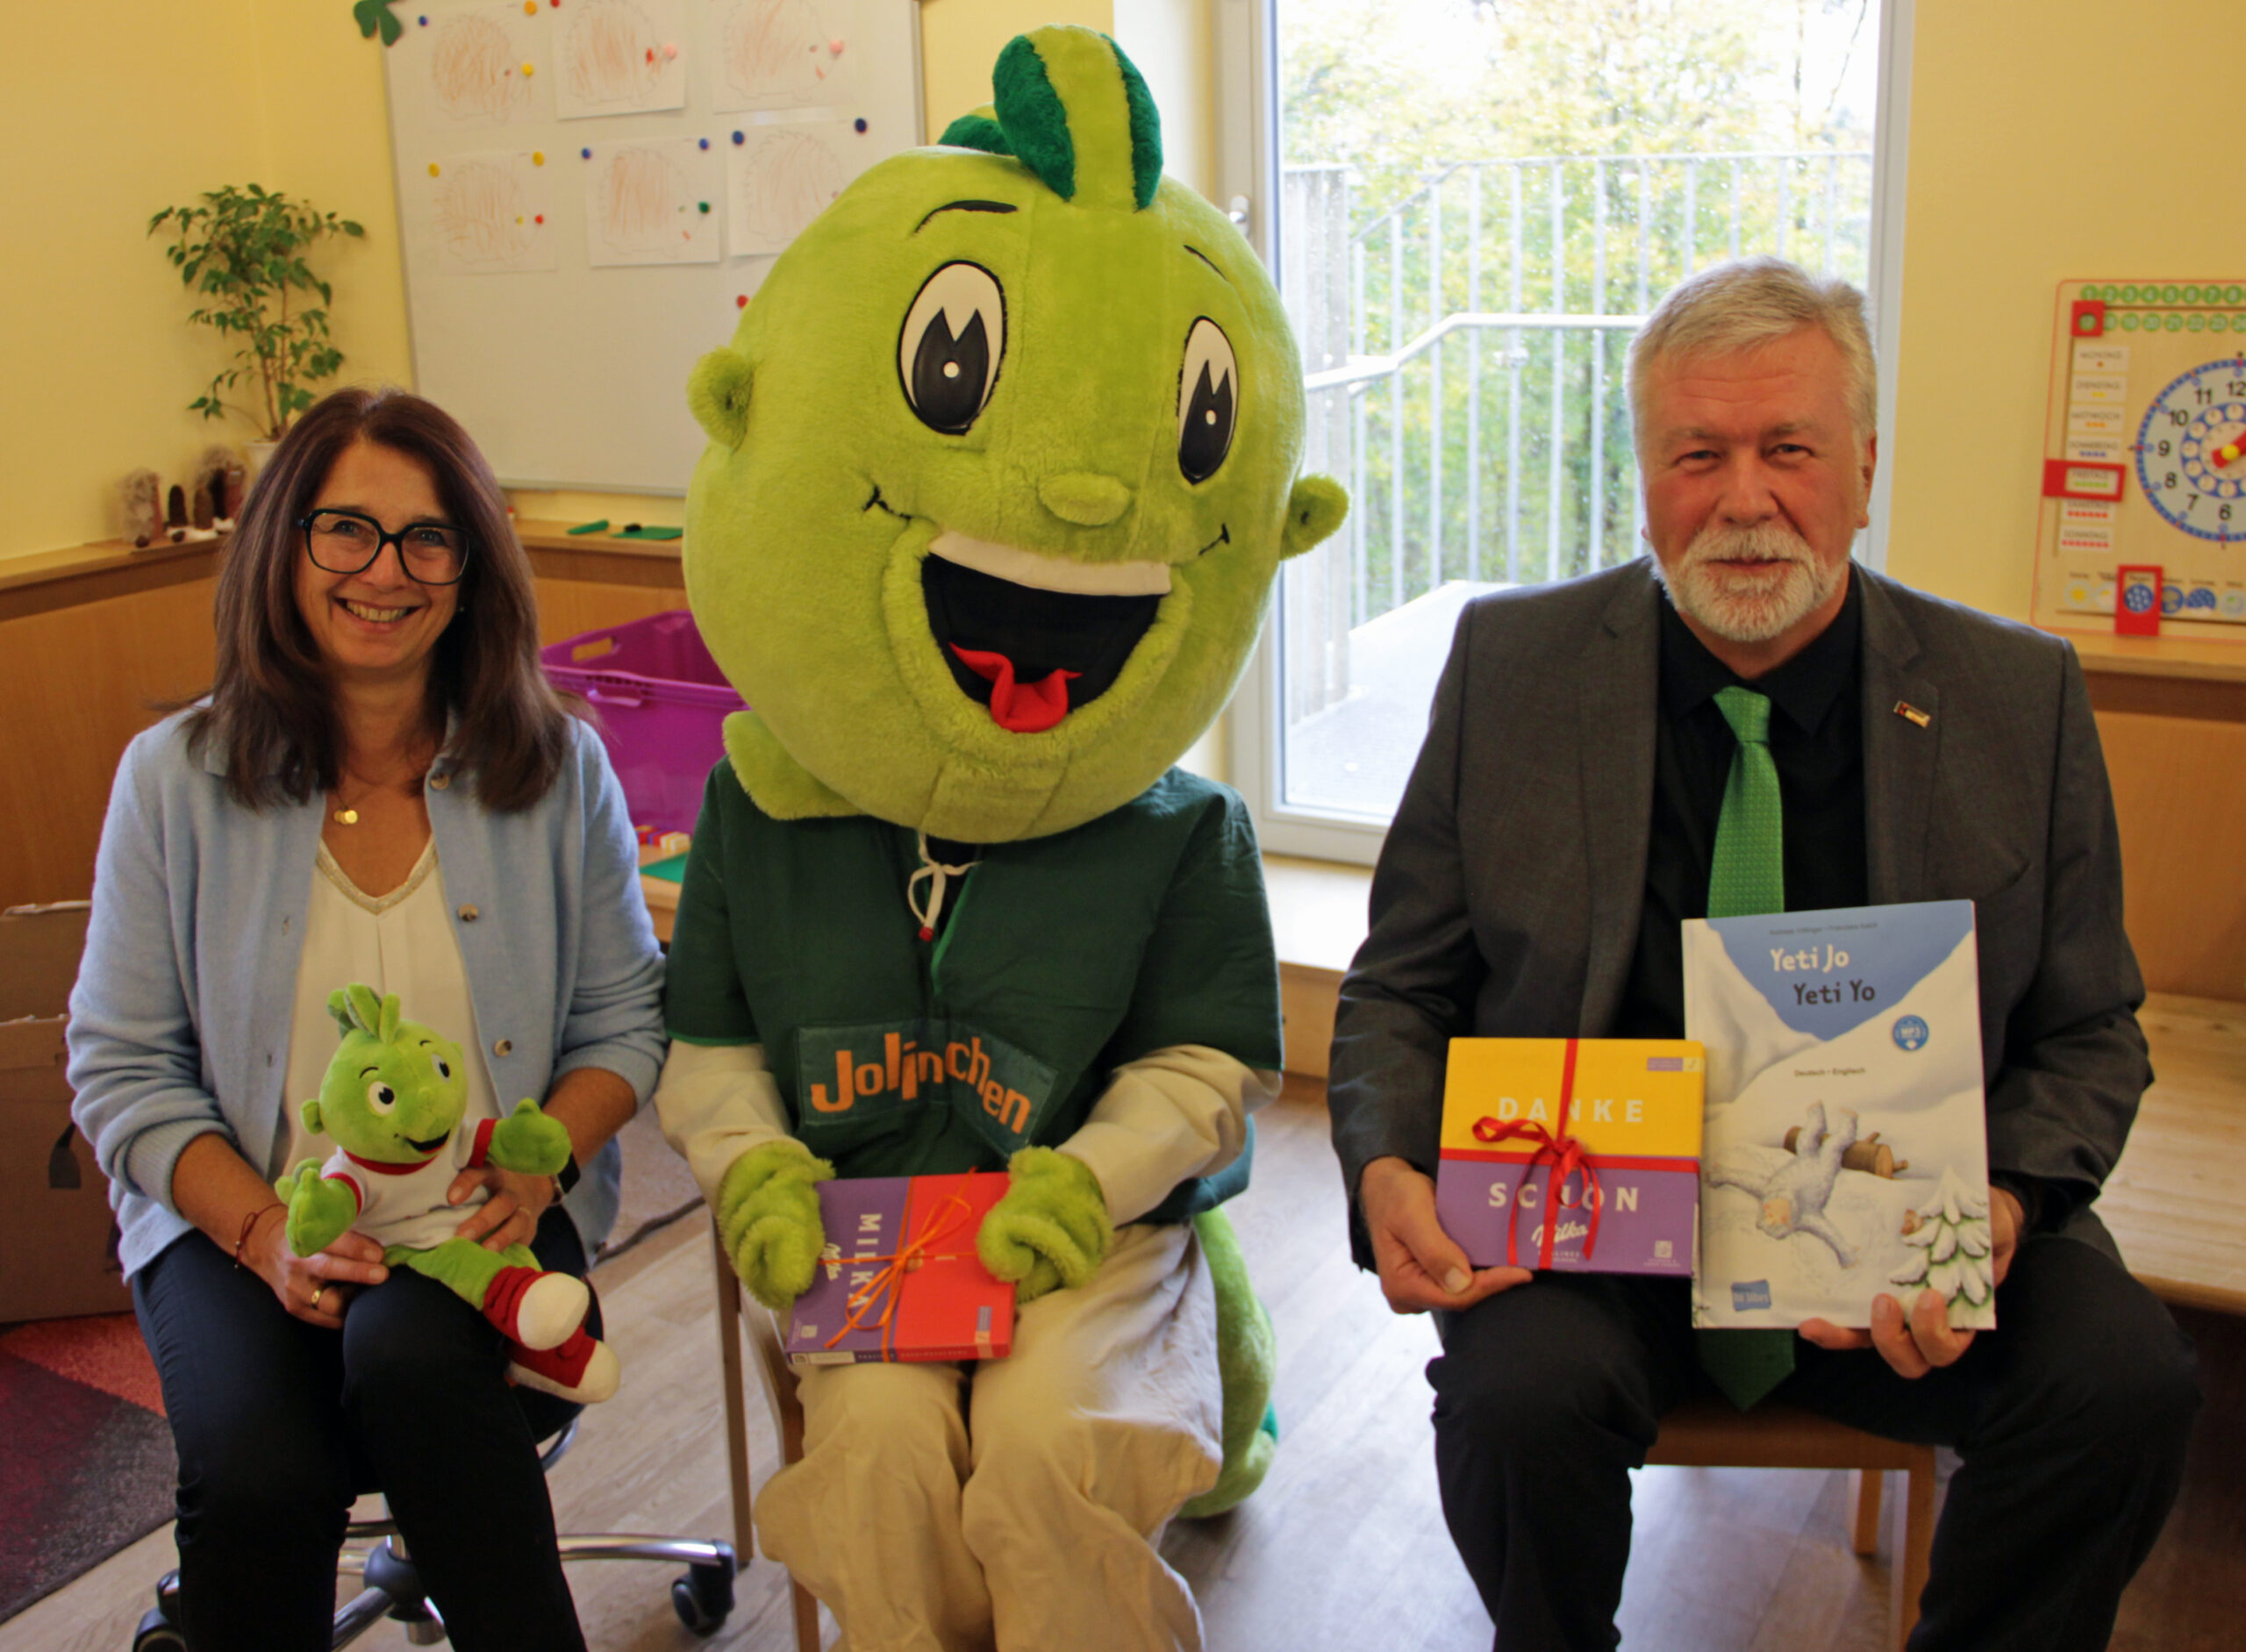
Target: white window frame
1245,37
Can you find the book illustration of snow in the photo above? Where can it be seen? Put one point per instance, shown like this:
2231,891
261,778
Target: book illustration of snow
1845,1114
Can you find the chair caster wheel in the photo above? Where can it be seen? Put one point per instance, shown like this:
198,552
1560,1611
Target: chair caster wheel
158,1634
703,1598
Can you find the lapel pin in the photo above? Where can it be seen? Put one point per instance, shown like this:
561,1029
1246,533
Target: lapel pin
1911,713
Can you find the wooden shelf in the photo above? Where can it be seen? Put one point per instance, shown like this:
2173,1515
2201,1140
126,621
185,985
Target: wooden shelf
2200,659
541,533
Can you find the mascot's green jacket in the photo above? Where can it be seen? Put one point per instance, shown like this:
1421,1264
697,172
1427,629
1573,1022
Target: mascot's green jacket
1002,465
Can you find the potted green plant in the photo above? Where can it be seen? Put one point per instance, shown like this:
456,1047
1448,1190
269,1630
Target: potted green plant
244,251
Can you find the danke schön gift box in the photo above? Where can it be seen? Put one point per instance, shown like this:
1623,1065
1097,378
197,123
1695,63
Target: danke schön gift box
1580,1155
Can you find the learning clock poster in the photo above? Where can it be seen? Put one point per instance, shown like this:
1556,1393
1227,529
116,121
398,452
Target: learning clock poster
1846,1149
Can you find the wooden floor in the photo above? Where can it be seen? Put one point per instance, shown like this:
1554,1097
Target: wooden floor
1344,1548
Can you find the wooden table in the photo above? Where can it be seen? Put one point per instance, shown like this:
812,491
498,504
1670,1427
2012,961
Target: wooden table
2176,1202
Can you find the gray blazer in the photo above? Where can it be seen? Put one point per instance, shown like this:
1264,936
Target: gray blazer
1508,896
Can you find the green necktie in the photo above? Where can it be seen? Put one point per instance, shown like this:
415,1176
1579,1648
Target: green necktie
1746,878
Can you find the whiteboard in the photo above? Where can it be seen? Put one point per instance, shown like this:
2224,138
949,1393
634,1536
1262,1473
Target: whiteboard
590,190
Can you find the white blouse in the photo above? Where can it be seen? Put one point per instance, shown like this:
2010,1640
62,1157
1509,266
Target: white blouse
401,942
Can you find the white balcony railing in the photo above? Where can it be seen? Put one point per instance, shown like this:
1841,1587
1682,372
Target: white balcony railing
1464,352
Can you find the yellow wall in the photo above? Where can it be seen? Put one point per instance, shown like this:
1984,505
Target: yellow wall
2065,141
106,115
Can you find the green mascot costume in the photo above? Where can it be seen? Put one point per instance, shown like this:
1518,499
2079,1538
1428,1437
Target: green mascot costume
1001,468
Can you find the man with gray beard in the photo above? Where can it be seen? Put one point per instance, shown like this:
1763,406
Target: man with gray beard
1559,827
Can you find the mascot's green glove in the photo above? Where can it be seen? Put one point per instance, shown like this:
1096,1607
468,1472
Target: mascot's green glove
768,1220
1051,1229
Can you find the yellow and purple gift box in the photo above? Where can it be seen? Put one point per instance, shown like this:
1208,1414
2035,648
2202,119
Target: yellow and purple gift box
1579,1154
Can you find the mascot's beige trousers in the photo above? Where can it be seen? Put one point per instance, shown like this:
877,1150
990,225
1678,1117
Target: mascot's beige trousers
1017,1503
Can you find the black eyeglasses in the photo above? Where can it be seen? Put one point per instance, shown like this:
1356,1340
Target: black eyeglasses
346,542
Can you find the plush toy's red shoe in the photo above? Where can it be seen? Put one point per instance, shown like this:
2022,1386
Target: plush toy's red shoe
537,1309
582,1368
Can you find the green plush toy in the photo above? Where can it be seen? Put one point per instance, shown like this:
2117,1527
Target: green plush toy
1002,465
392,1100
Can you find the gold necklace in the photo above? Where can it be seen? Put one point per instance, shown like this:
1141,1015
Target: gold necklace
347,814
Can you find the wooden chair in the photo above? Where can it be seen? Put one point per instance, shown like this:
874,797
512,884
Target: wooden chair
1708,1432
735,1315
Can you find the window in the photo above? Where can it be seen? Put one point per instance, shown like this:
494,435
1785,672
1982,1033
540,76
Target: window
1471,204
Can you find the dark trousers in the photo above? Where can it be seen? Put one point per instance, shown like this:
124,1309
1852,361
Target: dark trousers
2071,1421
280,1424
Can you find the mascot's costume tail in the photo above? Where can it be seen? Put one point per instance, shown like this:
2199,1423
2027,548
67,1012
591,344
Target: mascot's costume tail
1002,465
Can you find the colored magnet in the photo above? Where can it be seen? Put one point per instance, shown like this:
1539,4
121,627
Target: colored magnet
587,154
702,142
2080,479
860,123
529,68
740,137
538,157
433,169
530,8
704,205
740,302
2137,601
835,47
2088,318
670,50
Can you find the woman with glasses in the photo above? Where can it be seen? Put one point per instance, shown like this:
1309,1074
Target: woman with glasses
381,787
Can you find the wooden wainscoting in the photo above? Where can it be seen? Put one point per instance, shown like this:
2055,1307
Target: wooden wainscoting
93,644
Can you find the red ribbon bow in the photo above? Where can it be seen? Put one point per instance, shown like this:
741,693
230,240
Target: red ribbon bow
1566,1156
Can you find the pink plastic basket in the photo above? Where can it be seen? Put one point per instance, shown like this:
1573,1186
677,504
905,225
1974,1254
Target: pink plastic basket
660,703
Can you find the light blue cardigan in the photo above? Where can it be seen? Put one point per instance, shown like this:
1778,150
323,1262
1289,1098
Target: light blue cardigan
180,1020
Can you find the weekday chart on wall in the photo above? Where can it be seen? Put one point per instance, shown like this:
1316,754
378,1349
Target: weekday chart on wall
2145,458
590,191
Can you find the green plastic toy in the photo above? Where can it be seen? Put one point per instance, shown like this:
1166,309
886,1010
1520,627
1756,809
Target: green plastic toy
393,1102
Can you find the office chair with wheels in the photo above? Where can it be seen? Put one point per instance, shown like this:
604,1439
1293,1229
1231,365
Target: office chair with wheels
702,1595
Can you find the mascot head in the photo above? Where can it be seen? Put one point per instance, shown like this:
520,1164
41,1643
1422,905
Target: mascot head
1001,468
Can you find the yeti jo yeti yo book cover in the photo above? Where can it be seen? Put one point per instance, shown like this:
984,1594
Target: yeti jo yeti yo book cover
899,1279
1608,1126
1847,1149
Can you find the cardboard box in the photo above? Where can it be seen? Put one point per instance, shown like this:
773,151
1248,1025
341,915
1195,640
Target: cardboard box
1633,1104
947,1306
57,1241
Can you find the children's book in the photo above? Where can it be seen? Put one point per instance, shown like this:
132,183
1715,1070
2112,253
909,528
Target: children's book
1846,1154
1577,1154
899,1279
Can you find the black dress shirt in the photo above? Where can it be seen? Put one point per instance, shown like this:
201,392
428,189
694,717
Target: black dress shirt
1817,743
